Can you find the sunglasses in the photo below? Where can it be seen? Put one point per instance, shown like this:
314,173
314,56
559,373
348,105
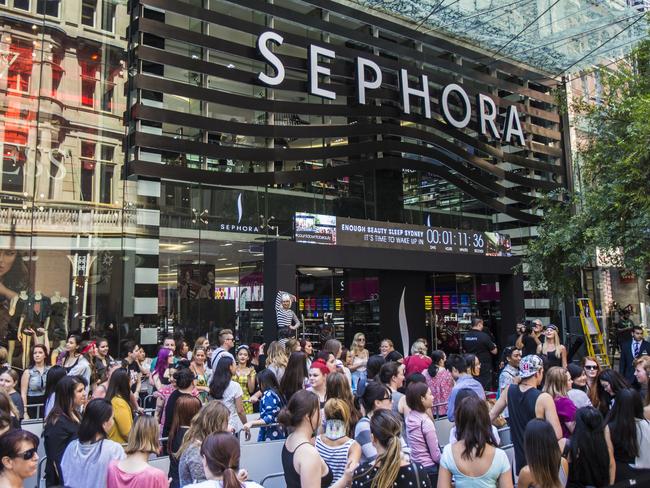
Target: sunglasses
591,367
28,454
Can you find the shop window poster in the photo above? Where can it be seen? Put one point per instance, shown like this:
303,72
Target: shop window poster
196,281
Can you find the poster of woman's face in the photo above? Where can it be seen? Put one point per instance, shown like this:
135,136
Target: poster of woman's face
196,281
13,273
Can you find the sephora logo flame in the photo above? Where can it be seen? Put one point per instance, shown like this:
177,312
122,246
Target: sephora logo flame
239,209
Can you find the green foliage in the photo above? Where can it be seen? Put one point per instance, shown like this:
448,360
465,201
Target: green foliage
612,210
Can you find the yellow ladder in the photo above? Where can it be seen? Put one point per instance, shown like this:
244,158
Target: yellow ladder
593,335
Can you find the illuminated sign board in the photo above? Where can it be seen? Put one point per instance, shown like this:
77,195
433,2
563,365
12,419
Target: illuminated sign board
339,231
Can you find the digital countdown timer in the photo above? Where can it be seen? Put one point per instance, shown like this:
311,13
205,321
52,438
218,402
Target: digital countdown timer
329,230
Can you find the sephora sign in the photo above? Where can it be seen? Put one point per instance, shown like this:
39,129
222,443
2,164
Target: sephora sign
485,106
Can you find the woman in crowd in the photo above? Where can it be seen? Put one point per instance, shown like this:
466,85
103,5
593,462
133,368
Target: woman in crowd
245,376
52,379
386,347
276,359
18,458
389,468
161,374
546,467
292,345
578,390
187,406
474,460
334,445
34,382
318,380
308,348
258,358
642,375
228,391
221,454
374,366
376,396
184,381
182,350
590,452
271,403
439,381
329,359
554,352
592,370
302,465
420,430
462,394
102,359
610,383
392,375
418,361
8,382
8,409
360,357
337,386
102,388
557,384
119,394
72,359
86,459
213,417
62,425
295,376
630,432
134,470
202,373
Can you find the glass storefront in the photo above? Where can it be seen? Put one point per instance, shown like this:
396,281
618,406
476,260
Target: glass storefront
145,166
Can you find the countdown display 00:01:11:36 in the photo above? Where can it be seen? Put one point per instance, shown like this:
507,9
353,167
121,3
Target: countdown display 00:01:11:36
451,238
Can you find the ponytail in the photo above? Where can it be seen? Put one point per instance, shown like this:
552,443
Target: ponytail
389,464
230,479
221,451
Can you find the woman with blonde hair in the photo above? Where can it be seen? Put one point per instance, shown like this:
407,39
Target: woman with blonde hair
642,375
334,445
360,357
134,470
418,361
276,359
213,417
557,384
554,352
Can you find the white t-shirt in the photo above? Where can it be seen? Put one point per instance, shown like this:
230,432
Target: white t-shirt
230,394
219,484
495,433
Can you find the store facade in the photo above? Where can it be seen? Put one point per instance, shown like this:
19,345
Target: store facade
155,160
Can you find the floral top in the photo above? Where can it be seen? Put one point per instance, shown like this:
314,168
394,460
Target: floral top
243,382
440,386
203,380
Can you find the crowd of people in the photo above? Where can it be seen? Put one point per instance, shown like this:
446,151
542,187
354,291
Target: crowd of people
346,416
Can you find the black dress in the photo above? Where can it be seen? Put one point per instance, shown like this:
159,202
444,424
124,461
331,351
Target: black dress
173,462
407,477
291,476
56,437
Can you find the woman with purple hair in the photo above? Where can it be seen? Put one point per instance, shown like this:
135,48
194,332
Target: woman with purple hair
161,374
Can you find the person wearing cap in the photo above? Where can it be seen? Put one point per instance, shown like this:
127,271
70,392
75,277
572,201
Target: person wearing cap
479,343
526,402
554,352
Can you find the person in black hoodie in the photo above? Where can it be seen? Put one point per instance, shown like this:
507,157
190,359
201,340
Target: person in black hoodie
61,425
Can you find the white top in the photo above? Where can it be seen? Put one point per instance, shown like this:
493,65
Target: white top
500,465
643,437
495,433
231,393
219,484
579,398
79,458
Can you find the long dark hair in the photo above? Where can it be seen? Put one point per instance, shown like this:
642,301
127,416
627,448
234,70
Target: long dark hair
303,403
221,377
10,443
338,386
542,453
98,412
64,401
589,454
267,380
52,378
186,407
375,391
473,426
622,422
294,375
617,382
388,371
374,365
436,357
222,453
119,386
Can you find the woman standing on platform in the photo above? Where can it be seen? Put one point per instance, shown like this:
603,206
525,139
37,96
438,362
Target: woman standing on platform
245,376
552,349
360,357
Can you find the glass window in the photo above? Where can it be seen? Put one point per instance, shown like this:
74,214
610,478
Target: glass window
87,170
21,4
48,7
108,16
106,183
88,12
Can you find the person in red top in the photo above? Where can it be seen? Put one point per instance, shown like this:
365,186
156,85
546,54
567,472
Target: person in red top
418,361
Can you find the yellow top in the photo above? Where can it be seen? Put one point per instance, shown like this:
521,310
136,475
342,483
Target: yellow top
123,420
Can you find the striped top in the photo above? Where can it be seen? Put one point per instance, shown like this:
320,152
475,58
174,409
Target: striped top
336,457
285,317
